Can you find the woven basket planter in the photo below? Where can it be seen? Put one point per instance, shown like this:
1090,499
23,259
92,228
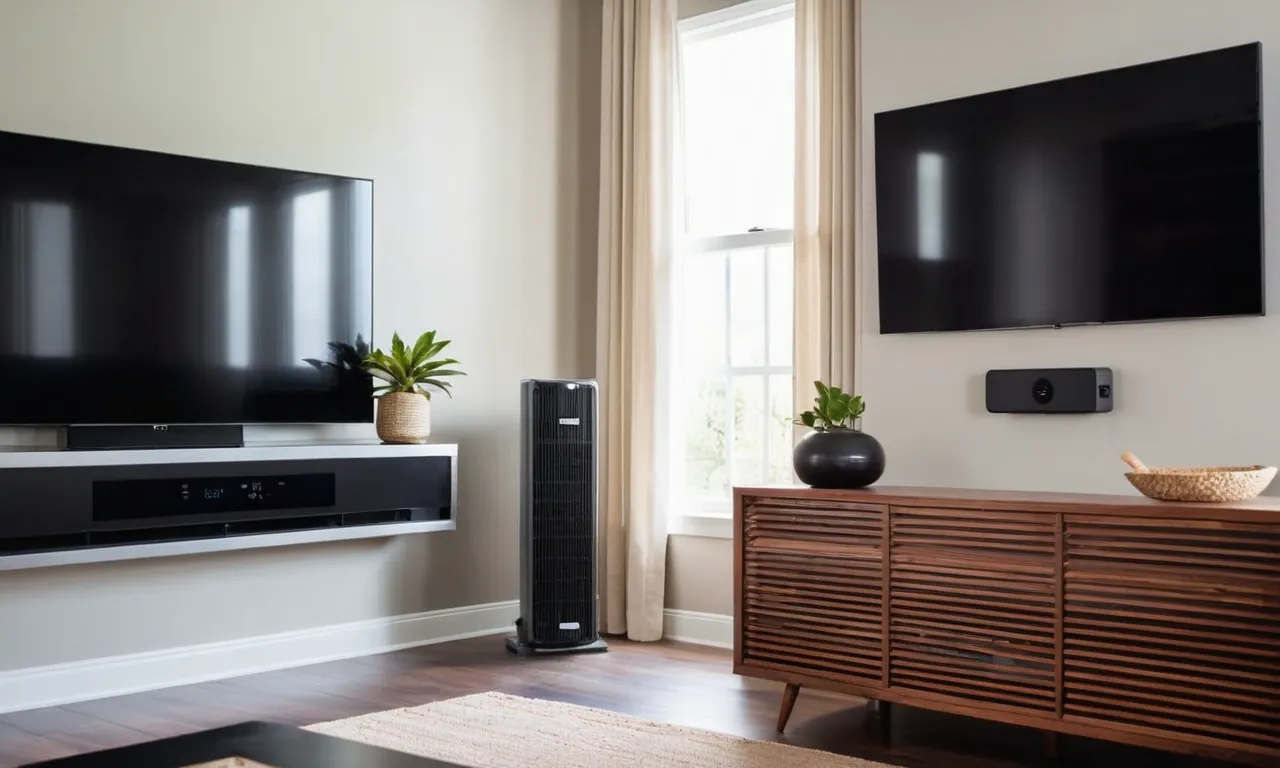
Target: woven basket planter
404,417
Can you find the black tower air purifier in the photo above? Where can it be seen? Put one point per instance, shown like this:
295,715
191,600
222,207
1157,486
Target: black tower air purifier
558,465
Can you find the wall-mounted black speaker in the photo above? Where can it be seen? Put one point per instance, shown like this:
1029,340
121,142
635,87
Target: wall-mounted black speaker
1050,390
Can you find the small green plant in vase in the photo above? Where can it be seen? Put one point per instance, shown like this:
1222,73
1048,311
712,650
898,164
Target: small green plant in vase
836,454
408,375
833,408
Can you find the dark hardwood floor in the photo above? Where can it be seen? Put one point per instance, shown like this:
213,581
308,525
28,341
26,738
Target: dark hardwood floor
669,682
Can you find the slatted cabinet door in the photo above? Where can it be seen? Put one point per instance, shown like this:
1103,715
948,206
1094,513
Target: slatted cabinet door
1175,625
812,588
973,601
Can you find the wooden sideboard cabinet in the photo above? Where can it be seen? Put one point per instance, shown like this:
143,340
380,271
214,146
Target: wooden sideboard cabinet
1114,617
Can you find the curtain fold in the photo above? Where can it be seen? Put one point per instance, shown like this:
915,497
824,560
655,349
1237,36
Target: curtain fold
827,201
638,100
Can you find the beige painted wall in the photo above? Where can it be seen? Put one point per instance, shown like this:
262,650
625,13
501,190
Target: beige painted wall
700,574
1187,392
478,120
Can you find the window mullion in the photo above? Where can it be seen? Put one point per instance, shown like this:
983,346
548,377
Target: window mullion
768,409
728,365
732,241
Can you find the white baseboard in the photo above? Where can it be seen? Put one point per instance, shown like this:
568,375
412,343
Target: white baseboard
713,629
59,684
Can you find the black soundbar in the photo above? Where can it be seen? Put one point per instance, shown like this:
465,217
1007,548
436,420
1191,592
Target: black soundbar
108,437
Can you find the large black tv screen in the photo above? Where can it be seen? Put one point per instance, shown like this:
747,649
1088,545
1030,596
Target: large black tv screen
140,287
1127,195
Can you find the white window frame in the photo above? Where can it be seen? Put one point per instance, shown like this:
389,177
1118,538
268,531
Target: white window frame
713,517
738,17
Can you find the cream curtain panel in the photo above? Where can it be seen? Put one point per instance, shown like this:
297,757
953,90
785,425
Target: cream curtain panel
828,207
638,101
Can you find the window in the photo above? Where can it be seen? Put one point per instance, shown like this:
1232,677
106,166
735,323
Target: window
729,346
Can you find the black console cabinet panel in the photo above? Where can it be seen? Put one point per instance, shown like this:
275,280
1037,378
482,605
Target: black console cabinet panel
60,501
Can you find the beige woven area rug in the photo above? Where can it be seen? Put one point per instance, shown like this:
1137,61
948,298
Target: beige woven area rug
494,730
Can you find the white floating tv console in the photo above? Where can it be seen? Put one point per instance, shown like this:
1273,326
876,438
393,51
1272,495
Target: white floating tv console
71,507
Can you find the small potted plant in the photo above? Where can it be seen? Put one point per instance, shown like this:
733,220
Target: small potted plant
836,454
408,375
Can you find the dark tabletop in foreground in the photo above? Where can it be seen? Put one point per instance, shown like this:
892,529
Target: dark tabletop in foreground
280,746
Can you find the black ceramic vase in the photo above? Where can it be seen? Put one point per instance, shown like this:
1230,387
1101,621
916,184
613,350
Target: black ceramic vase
839,458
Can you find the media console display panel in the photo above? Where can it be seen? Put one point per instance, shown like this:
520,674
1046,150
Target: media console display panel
134,499
1126,195
146,288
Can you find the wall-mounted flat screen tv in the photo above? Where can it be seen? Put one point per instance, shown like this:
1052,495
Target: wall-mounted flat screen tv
1127,195
146,288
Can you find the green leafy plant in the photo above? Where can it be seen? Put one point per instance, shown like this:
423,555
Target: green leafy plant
833,409
412,369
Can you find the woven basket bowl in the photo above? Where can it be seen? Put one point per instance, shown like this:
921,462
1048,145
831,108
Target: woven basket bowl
1214,484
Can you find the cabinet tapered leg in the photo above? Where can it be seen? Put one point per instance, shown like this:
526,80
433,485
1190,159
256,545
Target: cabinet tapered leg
788,701
1051,744
883,713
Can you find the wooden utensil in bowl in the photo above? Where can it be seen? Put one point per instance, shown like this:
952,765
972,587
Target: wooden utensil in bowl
1133,461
